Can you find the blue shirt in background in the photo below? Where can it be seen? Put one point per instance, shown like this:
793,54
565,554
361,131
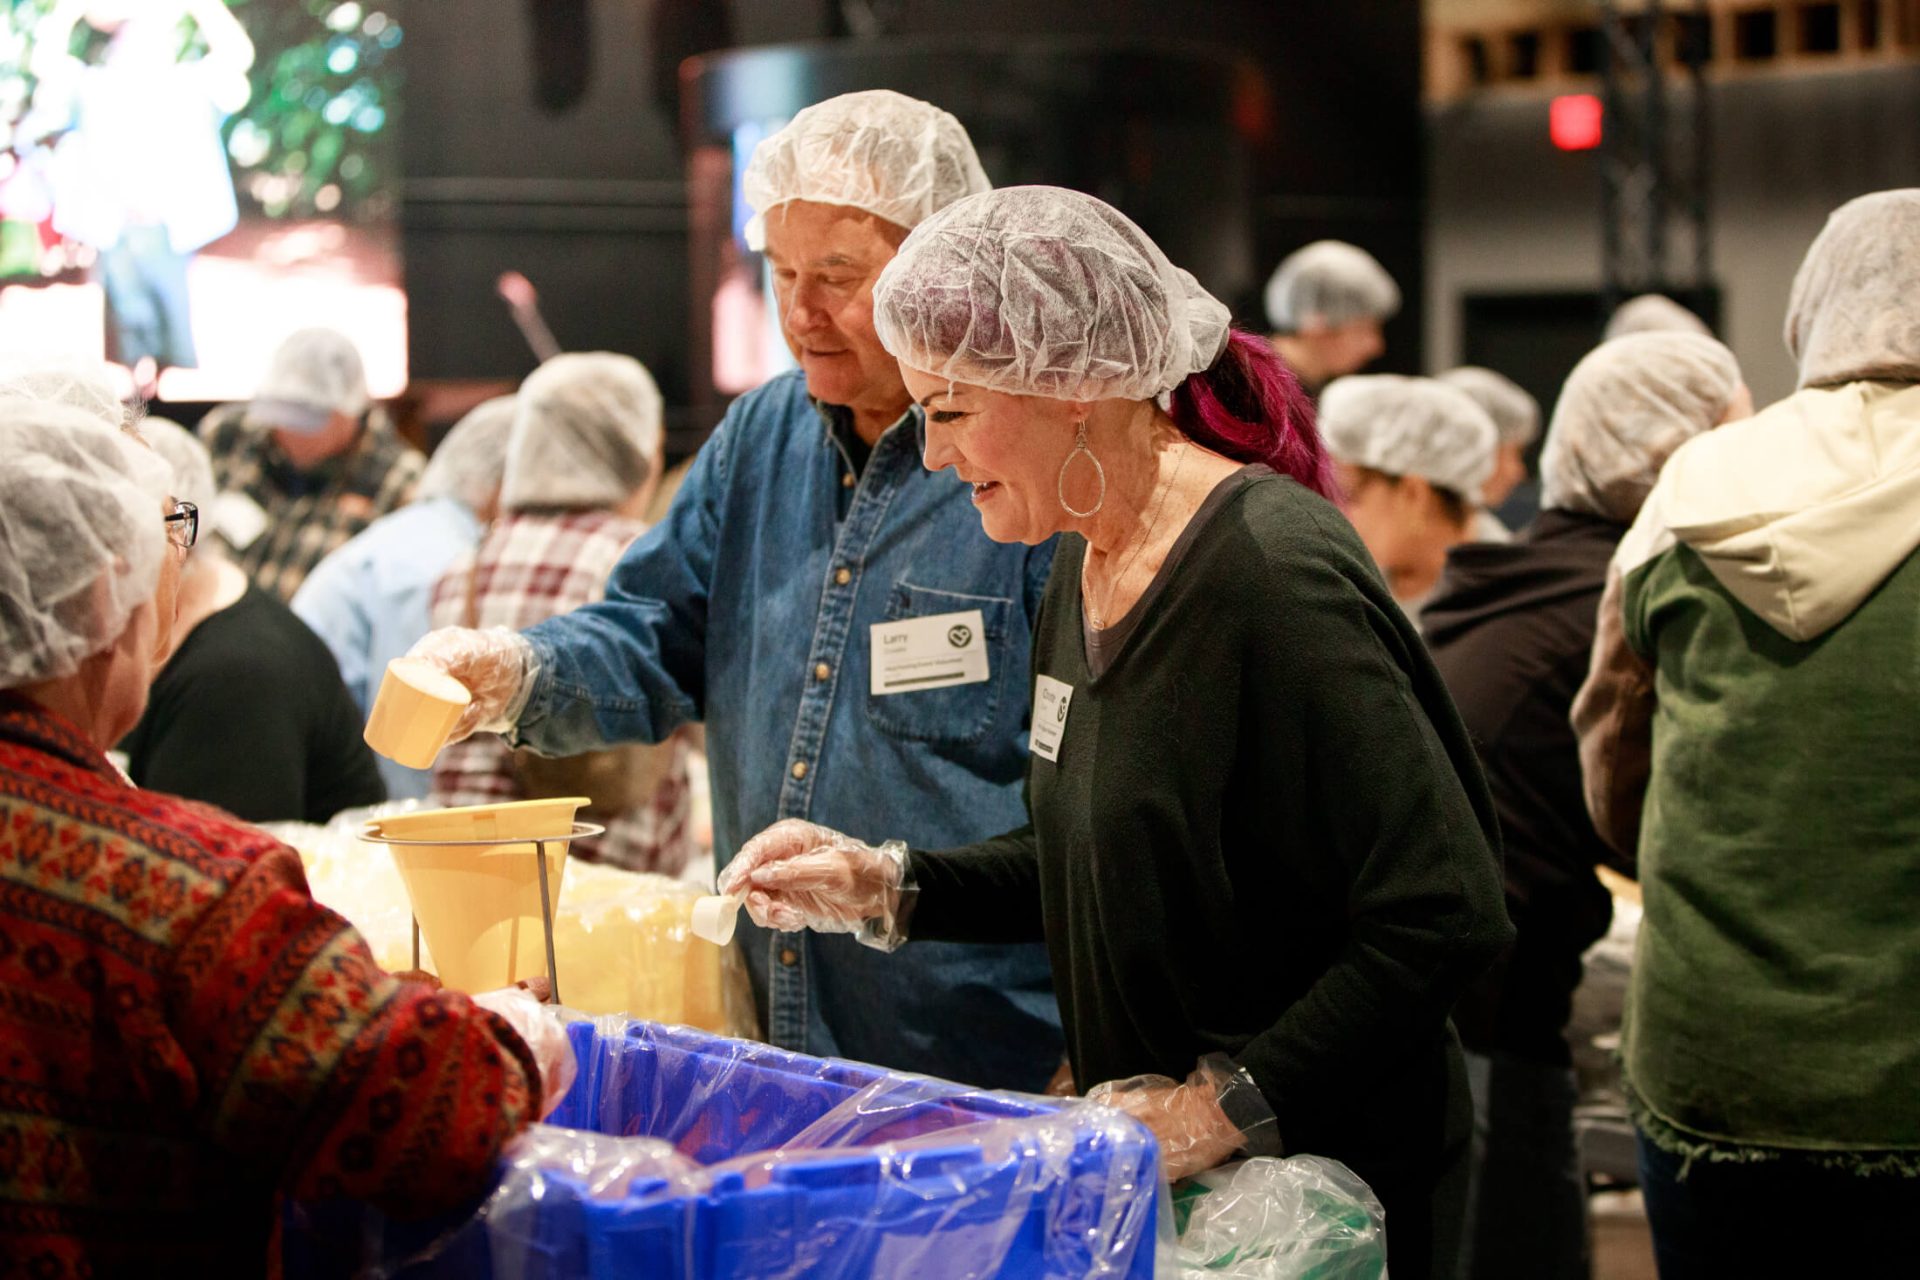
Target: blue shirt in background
372,598
750,608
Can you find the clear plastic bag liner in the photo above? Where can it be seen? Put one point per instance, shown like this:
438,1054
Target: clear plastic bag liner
679,1153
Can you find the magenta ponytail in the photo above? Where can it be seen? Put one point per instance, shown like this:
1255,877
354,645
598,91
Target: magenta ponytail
1250,407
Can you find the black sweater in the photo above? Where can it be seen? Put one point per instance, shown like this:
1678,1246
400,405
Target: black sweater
250,714
1266,835
1511,627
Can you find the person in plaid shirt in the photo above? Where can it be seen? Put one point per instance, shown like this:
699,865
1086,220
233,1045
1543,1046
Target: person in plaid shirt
306,464
584,455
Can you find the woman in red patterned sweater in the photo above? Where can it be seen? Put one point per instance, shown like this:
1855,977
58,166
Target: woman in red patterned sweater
184,1032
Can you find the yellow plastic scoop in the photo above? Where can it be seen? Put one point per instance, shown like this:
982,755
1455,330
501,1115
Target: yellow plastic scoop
416,708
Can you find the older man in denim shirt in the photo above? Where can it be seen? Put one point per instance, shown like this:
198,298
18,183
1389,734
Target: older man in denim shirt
777,602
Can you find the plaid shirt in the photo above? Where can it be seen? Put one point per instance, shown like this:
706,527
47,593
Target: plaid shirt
531,566
309,513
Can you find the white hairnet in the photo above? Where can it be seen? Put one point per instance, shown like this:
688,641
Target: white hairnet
1653,313
586,433
81,536
895,157
1854,313
314,374
1332,280
470,459
1410,427
68,380
187,458
1045,292
1515,414
1624,409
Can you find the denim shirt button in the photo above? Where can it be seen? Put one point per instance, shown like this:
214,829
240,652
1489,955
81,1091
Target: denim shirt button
821,671
799,769
843,576
846,479
789,957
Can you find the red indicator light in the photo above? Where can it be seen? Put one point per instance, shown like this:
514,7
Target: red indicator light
1574,121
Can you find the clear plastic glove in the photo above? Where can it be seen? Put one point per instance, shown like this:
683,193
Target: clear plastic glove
496,665
1062,1085
544,1033
1191,1120
799,875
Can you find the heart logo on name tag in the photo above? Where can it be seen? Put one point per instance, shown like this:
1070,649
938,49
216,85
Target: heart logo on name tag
959,637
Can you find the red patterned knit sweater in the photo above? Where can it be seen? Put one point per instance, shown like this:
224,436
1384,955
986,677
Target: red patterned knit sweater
184,1033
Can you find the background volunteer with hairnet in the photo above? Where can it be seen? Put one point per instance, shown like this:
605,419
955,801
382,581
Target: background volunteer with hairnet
584,456
306,464
1326,303
372,598
1413,455
249,712
188,1034
1516,423
1511,628
1653,313
806,537
1257,843
1750,717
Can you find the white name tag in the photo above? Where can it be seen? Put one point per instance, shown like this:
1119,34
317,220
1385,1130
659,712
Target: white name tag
1050,701
929,653
237,518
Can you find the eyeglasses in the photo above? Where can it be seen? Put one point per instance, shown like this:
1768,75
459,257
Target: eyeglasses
183,526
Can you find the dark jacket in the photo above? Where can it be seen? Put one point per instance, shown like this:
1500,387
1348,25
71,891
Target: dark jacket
1511,628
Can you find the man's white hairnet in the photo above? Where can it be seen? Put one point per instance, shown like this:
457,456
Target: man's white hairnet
468,464
1624,409
82,384
1515,414
1042,291
1410,427
1854,313
895,157
1653,313
191,465
586,433
313,375
81,536
1332,280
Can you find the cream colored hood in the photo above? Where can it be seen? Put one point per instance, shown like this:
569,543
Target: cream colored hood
1802,511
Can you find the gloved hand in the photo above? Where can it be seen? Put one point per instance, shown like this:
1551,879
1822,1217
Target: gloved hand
1190,1120
799,875
496,665
545,1035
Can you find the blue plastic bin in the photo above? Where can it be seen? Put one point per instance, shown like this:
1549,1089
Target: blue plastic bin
895,1175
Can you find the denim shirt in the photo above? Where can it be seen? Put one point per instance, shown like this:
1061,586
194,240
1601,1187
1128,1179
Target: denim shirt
750,608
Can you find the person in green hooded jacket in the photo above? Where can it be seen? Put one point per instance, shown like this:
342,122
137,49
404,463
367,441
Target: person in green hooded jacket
1751,728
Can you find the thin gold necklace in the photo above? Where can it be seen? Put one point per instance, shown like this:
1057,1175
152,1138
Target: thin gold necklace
1160,503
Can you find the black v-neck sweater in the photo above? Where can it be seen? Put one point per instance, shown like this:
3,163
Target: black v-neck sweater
1266,835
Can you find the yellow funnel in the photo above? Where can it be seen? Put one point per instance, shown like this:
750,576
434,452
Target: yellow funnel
479,904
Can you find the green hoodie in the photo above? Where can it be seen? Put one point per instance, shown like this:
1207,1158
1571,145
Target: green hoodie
1771,582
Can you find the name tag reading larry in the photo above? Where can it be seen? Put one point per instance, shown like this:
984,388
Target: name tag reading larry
929,653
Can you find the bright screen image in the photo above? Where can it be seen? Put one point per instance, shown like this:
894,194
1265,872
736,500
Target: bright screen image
185,182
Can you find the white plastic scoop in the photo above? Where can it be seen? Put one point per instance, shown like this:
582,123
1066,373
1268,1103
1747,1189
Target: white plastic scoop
715,916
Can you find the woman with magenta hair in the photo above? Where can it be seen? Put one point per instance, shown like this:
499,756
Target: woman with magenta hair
1260,851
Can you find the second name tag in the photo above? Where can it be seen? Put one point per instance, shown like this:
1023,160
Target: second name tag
929,653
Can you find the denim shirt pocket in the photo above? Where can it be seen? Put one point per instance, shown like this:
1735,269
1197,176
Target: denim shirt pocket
957,715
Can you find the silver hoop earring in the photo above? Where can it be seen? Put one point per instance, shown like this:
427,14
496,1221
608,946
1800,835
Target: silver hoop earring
1080,447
